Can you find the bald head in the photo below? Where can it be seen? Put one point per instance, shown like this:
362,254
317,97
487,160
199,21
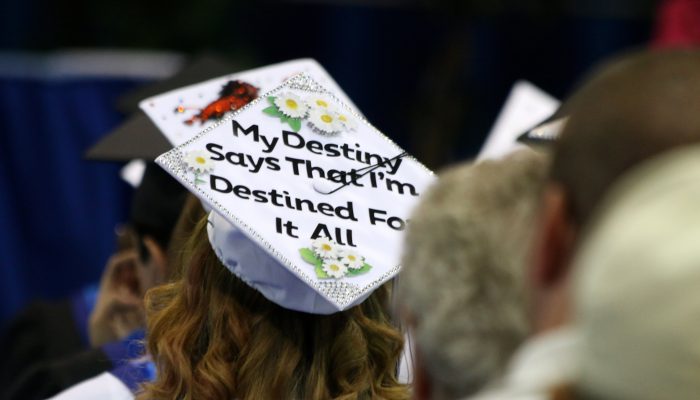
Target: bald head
632,108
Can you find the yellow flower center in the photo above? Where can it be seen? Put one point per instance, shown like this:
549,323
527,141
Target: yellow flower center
334,267
326,247
200,160
351,257
291,104
321,103
326,118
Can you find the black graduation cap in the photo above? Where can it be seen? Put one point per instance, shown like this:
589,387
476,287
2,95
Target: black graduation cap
545,132
138,137
156,204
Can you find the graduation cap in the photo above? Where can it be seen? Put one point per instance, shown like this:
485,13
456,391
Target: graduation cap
138,137
201,68
545,132
184,112
309,201
179,114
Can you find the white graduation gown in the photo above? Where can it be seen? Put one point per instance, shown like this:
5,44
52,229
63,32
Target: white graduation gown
104,386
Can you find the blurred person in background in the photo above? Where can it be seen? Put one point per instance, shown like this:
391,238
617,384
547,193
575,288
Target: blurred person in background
635,283
135,367
631,109
156,207
37,365
462,283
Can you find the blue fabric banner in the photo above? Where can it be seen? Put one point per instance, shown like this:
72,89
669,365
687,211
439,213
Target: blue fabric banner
57,211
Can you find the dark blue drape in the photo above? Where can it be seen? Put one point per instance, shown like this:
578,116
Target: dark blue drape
57,211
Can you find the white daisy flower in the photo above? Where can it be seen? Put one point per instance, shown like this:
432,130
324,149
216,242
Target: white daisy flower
198,162
346,121
334,269
317,101
291,105
324,121
351,259
325,248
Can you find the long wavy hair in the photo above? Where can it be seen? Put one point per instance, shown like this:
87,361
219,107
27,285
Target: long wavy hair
213,337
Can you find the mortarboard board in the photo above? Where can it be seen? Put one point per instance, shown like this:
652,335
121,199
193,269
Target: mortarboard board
525,106
138,137
308,199
181,113
201,68
548,130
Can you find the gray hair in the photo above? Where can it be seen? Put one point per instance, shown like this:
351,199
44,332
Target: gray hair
463,264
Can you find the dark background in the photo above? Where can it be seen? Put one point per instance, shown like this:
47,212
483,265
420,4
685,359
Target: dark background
431,75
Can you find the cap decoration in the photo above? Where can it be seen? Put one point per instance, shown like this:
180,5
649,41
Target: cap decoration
180,114
232,96
332,260
321,116
198,162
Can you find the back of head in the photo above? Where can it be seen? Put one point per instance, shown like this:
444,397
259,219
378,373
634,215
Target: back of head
636,282
214,337
632,108
157,204
192,213
463,264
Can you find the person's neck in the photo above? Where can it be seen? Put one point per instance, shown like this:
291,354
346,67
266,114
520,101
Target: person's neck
553,309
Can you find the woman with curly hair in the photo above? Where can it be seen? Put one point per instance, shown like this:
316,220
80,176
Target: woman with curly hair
214,337
253,313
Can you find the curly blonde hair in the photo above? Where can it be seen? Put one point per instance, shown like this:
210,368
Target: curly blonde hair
213,337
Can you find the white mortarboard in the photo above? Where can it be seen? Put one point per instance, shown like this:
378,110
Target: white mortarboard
182,113
137,137
309,200
173,117
525,106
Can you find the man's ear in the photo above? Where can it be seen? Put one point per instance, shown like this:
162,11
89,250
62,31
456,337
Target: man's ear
554,244
422,384
158,258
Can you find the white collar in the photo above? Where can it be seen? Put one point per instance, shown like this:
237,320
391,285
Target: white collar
543,361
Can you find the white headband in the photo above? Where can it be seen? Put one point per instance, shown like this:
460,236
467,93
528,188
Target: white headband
259,270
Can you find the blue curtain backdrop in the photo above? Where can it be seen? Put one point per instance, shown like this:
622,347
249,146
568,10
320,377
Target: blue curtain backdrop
57,212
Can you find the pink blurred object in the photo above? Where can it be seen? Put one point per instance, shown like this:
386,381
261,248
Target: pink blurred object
677,24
